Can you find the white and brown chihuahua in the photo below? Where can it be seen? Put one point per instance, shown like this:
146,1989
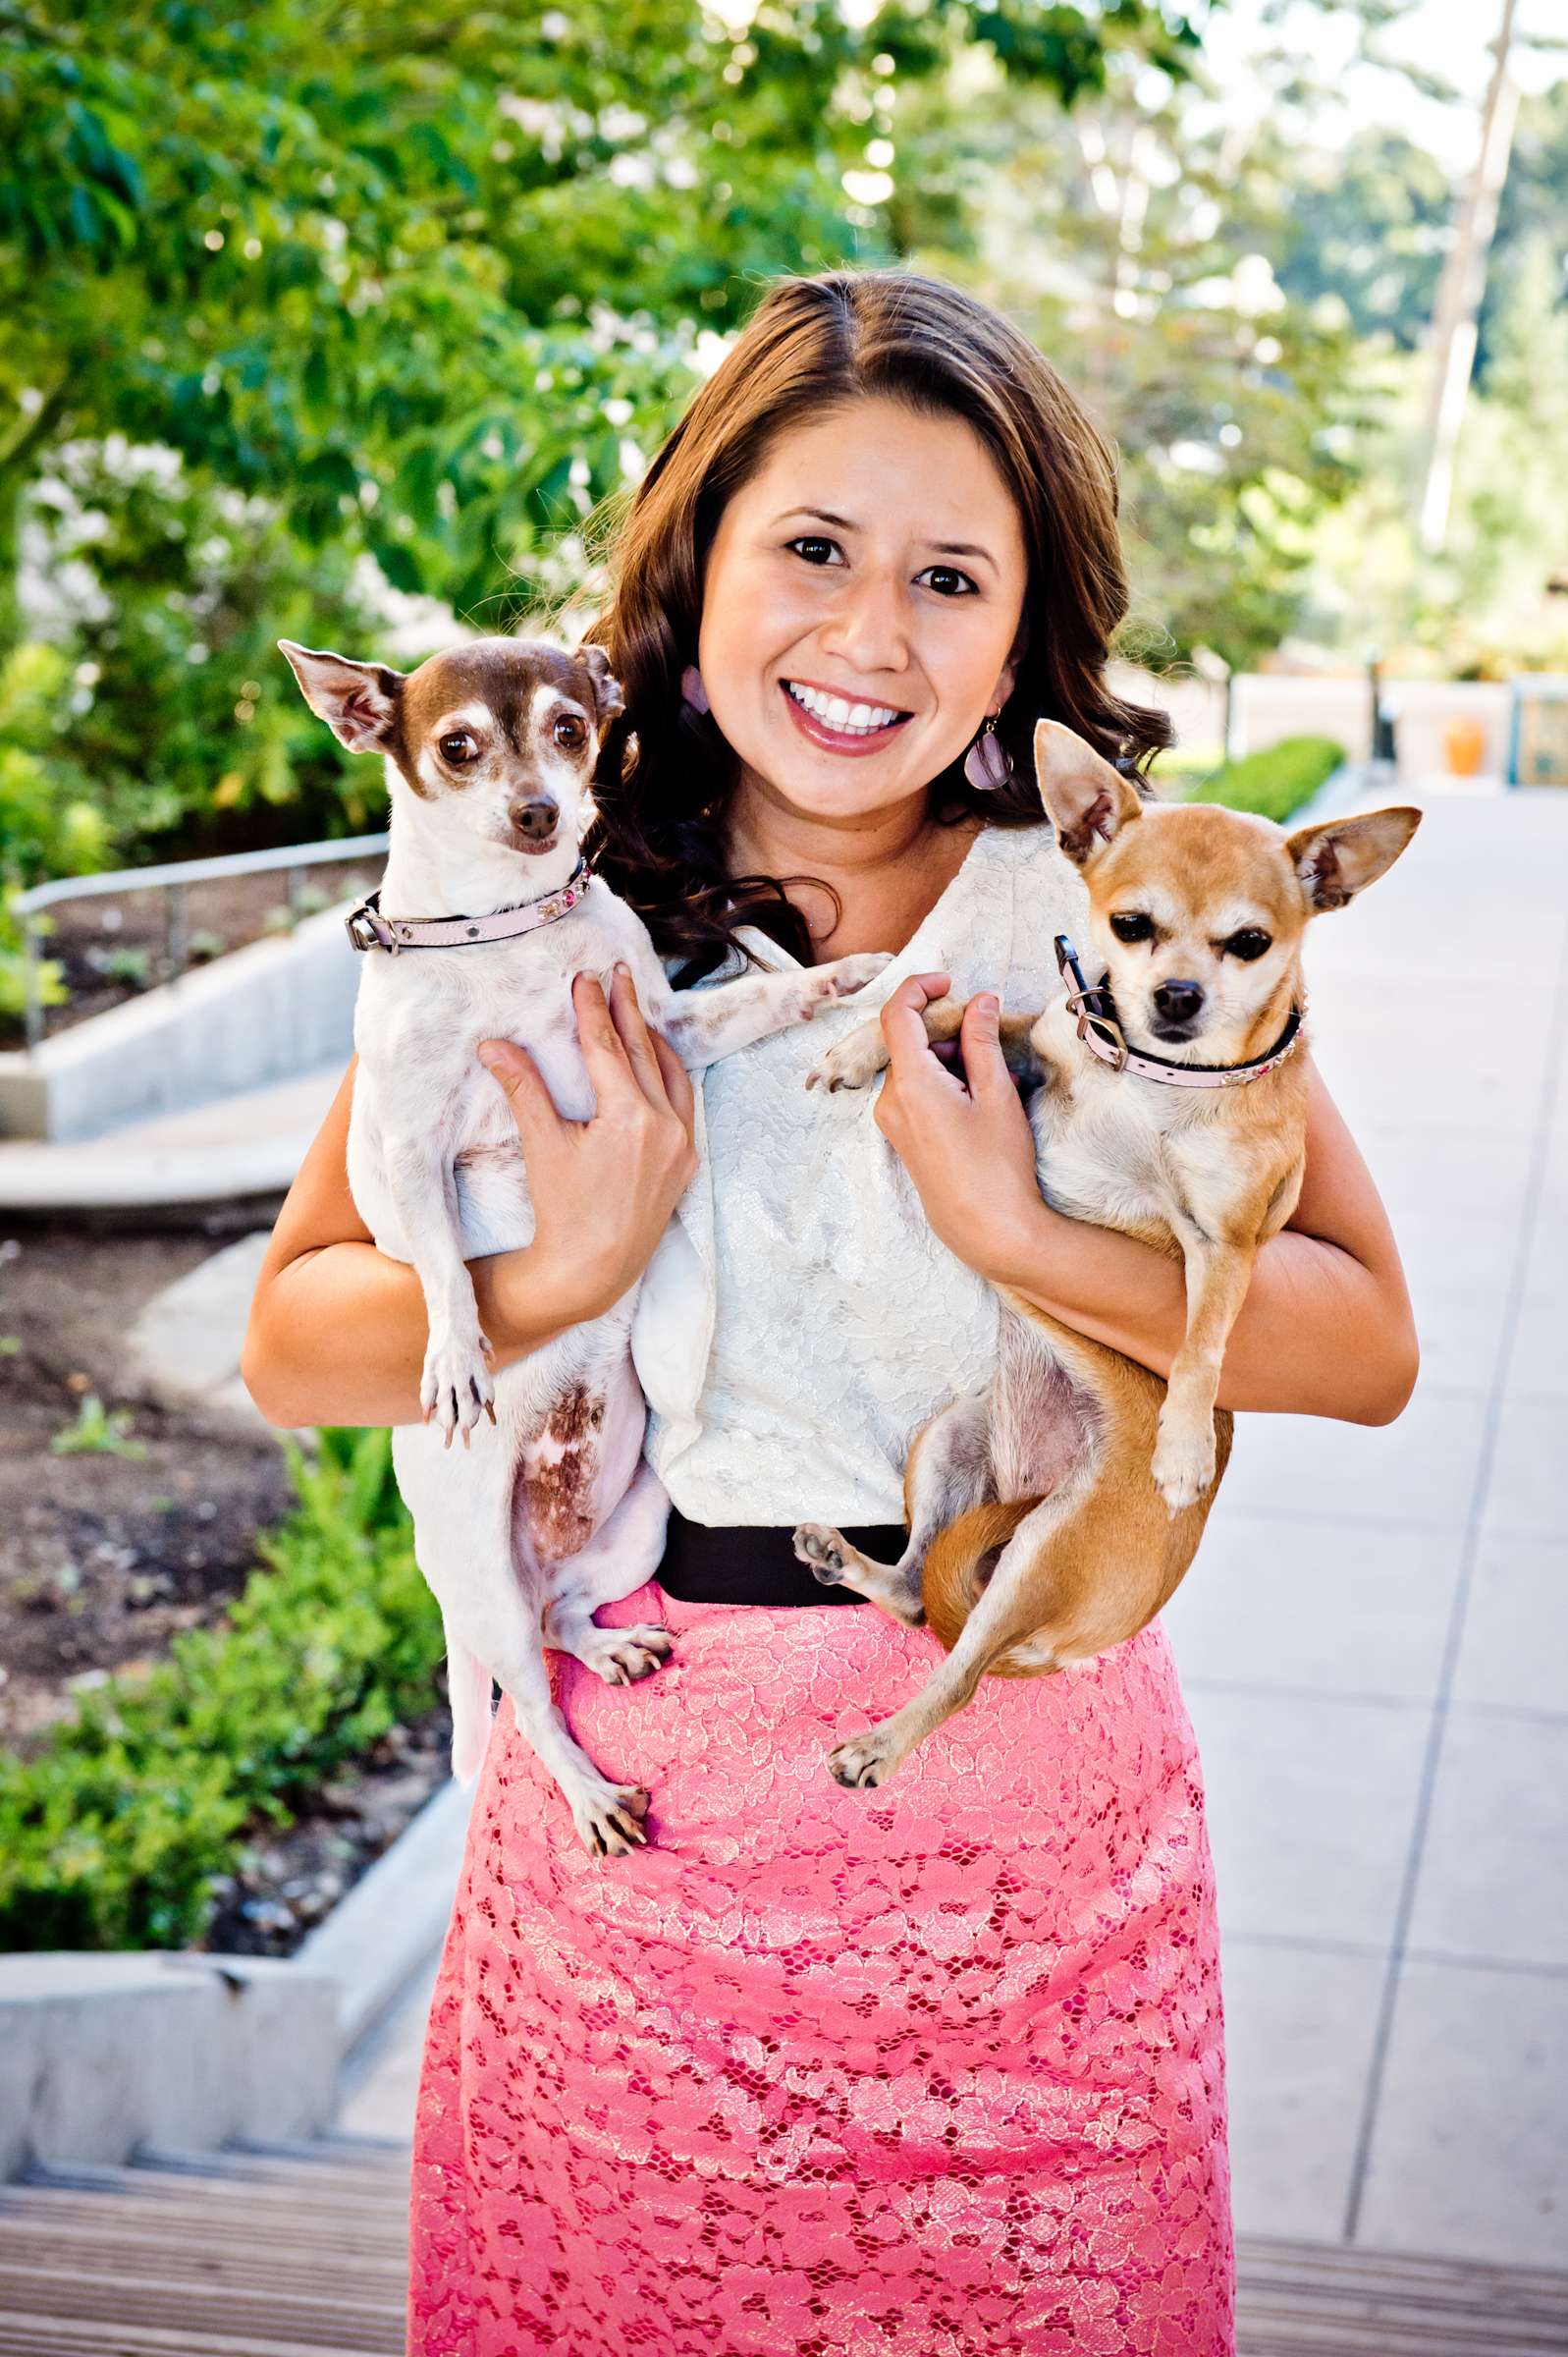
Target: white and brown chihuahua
1053,1514
489,753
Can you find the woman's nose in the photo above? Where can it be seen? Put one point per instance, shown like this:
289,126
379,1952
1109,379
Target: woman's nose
868,629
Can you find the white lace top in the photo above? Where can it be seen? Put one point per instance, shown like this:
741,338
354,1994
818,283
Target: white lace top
799,1321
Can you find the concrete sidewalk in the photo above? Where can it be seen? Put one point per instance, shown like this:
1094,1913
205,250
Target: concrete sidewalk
1374,1642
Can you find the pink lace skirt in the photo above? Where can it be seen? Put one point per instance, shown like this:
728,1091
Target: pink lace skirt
914,2072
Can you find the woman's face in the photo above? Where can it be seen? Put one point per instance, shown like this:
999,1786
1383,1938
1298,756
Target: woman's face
874,568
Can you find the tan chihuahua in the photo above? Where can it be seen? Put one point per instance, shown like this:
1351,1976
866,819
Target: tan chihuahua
1051,1515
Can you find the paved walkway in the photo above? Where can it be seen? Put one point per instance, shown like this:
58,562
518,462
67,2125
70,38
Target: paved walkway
1374,1640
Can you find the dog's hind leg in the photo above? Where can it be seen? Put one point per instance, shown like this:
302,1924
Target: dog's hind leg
491,1602
1007,1609
947,1471
617,1561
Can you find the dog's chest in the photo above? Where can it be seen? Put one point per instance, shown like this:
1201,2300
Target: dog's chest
1124,1153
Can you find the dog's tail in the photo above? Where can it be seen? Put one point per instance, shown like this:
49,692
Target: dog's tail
468,1686
961,1560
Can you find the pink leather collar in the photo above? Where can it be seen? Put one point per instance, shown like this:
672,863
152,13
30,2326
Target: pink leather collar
368,929
1101,1034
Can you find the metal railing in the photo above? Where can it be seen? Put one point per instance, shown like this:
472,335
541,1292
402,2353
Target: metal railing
172,879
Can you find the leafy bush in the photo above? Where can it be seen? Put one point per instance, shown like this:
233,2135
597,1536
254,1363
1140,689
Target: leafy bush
1277,781
111,1836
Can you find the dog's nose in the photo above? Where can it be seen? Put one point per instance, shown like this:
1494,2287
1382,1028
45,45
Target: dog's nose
535,818
1178,1002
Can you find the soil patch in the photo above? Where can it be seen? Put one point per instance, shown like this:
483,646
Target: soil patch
109,1555
110,949
110,1551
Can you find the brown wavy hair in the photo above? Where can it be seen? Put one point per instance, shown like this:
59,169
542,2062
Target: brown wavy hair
813,345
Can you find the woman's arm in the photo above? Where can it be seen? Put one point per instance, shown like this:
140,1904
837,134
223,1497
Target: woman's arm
1326,1326
338,1329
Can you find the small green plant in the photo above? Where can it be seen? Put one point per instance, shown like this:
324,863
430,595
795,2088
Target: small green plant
97,1431
114,1831
203,947
10,1344
129,966
1276,781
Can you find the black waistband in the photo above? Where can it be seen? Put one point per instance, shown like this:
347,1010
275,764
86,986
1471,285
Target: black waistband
755,1562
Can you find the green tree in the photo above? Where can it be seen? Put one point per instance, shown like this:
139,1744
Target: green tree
401,297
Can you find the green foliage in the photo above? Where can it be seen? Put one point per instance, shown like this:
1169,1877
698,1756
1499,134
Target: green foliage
314,307
112,1834
1131,240
97,1431
1276,781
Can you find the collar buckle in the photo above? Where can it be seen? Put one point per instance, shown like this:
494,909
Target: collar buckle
367,928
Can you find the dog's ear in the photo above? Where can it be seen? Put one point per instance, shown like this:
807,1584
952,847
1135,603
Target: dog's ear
362,703
1086,800
1341,856
606,694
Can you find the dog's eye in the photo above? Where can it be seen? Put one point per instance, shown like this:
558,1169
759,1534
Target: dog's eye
571,731
1134,927
459,748
1251,942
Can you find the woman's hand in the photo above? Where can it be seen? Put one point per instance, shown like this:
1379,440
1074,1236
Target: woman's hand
969,1149
603,1189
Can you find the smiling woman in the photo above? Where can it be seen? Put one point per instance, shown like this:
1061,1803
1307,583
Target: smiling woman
828,2072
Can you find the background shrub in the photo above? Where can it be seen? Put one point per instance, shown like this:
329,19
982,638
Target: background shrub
112,1833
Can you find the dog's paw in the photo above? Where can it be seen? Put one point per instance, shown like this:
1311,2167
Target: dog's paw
821,1550
621,1655
854,1063
609,1816
1183,1468
457,1387
865,1760
842,977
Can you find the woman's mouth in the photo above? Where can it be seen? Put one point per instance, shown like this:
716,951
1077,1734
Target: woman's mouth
838,725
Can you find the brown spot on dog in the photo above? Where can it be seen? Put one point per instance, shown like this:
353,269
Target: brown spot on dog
559,1469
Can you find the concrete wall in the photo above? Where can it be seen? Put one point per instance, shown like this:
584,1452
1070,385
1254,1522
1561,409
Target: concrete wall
261,1014
102,2054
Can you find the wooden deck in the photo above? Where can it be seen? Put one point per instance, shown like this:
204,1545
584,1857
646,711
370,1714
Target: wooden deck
301,2254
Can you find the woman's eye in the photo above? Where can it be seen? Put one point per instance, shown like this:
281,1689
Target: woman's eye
812,541
569,732
458,747
1134,927
952,572
1251,942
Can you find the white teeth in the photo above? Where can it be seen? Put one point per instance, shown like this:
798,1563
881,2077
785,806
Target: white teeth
851,720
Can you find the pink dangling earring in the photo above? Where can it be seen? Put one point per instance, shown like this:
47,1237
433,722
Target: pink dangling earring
988,764
692,689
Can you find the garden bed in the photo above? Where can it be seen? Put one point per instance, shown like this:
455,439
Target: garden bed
109,949
126,1552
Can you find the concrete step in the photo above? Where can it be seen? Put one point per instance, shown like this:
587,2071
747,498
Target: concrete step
230,1149
299,2251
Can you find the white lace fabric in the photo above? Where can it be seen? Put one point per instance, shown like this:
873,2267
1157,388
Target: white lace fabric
800,1319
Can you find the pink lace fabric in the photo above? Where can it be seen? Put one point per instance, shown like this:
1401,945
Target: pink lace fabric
923,2071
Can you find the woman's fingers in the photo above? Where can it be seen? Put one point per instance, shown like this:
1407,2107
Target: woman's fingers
903,1018
980,1037
631,1027
532,1105
677,1079
608,1066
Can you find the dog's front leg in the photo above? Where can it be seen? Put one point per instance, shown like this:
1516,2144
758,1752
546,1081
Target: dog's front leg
1218,1276
456,1386
705,1025
949,1470
857,1060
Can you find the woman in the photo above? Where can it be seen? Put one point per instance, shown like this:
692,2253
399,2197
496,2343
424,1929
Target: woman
937,2067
